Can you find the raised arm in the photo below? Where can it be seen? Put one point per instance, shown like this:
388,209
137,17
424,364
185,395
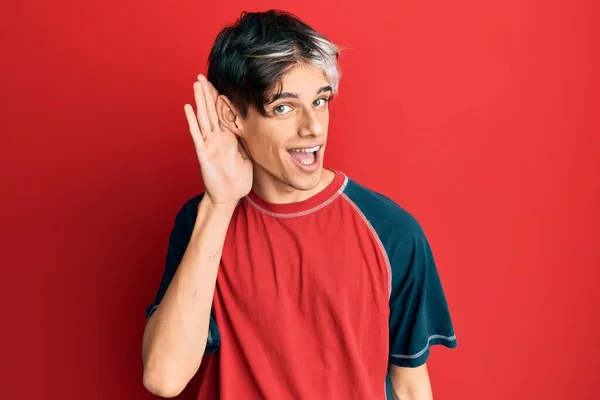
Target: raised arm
175,336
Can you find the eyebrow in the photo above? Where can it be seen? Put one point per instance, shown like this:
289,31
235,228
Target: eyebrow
289,95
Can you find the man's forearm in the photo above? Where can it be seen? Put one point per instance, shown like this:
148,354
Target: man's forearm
175,336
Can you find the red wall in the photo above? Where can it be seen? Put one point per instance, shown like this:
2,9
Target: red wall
480,117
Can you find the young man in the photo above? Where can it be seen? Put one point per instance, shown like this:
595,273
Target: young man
285,279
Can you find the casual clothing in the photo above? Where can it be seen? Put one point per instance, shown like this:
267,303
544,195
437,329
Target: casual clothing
314,298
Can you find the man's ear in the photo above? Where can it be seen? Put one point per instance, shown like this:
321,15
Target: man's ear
229,117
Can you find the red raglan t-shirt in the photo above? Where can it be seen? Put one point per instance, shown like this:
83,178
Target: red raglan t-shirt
313,299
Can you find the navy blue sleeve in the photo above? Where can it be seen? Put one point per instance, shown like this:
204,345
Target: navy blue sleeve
178,241
419,312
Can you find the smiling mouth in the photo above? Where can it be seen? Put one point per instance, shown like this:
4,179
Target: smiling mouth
305,156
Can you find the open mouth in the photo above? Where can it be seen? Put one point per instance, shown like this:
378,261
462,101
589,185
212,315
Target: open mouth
306,157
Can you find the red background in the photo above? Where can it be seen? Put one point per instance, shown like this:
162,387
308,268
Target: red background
479,117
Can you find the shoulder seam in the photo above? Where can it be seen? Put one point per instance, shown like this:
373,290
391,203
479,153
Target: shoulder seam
377,239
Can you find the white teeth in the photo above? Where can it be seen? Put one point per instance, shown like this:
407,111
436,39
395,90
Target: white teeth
307,162
311,150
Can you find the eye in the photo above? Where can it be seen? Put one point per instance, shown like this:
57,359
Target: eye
323,101
281,109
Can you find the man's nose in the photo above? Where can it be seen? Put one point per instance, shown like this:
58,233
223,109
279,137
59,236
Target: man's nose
313,125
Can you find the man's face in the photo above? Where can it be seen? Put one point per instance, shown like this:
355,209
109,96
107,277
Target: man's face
289,143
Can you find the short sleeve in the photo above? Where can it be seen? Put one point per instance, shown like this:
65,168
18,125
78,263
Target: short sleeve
178,241
419,313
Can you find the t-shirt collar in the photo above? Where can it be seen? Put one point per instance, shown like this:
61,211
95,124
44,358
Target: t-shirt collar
304,207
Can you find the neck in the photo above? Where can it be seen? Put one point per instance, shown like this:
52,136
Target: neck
275,191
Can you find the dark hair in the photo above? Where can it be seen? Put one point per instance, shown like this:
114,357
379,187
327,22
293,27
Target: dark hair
250,57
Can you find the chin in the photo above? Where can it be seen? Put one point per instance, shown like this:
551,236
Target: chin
305,181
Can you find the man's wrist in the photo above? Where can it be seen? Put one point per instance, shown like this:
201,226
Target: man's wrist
208,205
